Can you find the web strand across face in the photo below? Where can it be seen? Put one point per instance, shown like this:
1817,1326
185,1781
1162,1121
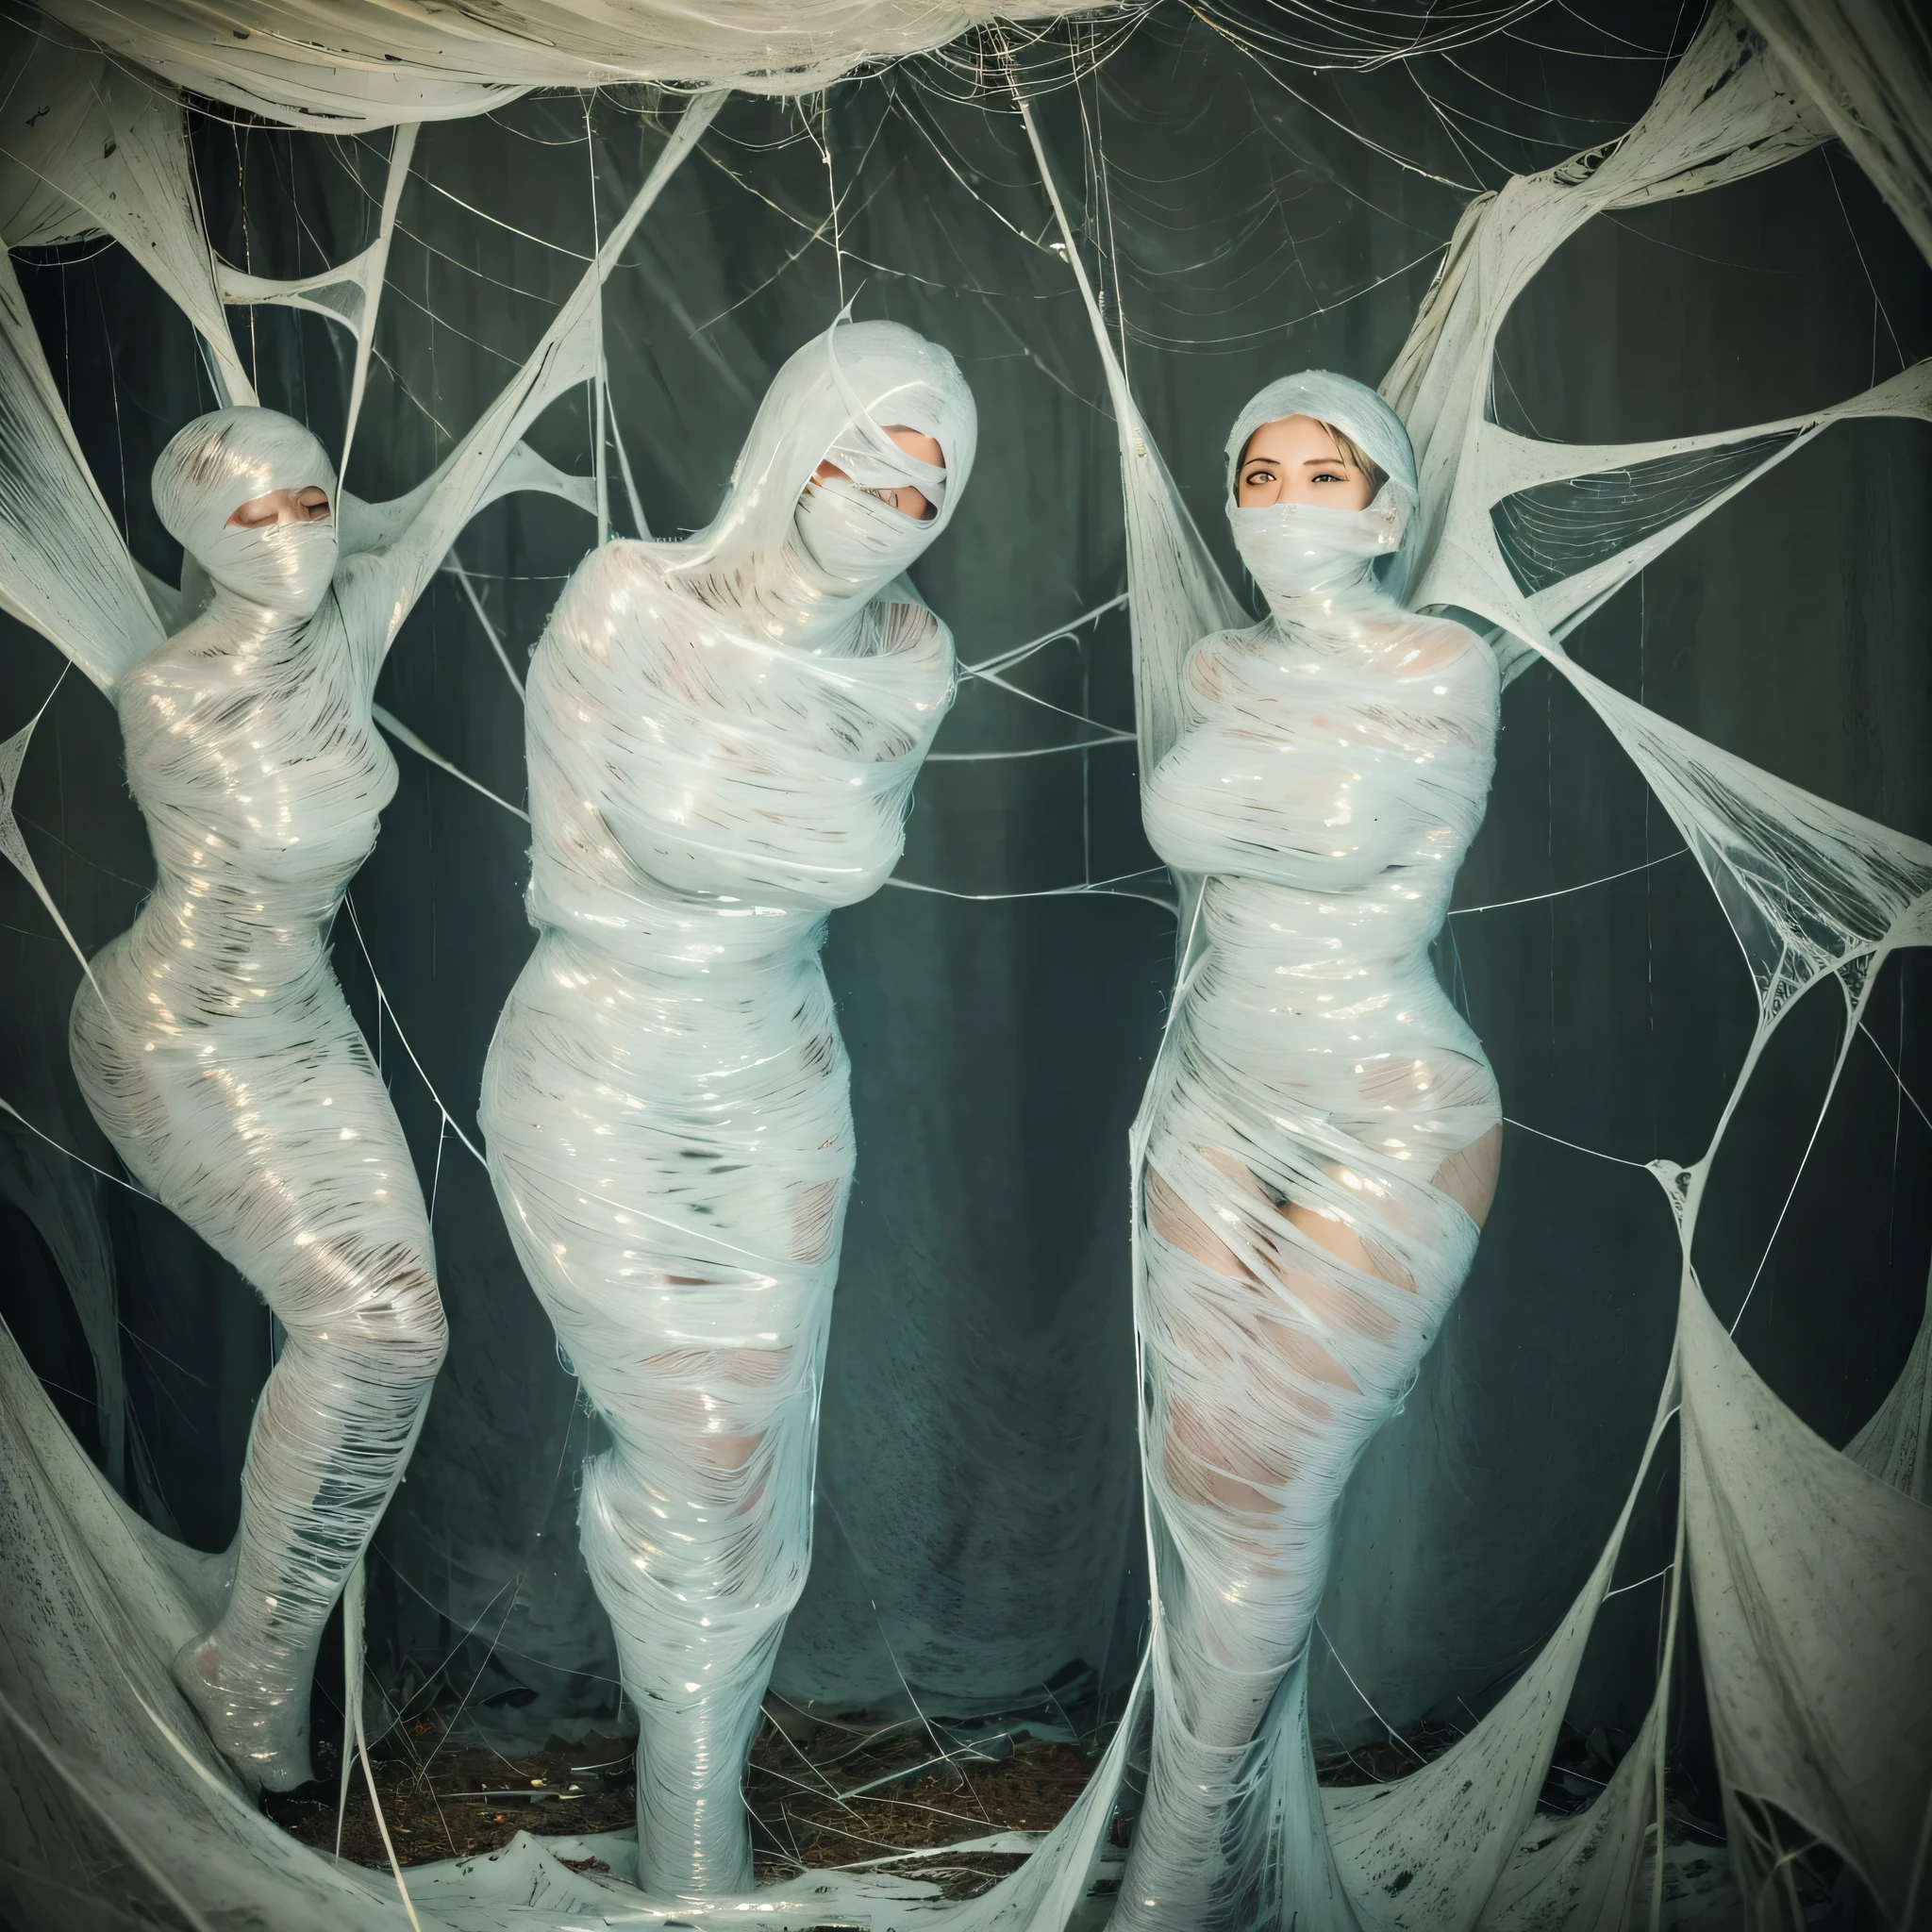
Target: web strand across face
1322,1125
723,736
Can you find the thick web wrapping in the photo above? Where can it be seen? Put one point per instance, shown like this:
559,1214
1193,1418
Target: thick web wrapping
723,735
679,871
1810,891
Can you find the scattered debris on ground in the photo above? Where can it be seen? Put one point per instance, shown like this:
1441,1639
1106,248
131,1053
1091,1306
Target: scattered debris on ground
840,1792
443,1799
824,1792
911,1797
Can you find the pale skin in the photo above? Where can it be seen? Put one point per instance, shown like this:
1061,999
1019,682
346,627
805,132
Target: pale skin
1293,459
907,501
309,505
1297,460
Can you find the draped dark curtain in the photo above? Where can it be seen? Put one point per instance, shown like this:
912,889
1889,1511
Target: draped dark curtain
979,1544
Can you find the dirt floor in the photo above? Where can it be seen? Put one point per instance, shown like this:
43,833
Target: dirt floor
821,1793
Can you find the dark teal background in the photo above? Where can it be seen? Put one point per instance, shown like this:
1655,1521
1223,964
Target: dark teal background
978,1534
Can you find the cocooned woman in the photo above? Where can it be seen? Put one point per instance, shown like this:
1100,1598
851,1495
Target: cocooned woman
1322,1128
723,736
218,1053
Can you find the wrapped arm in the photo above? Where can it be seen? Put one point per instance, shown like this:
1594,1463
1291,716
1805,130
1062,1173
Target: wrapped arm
1318,771
1310,818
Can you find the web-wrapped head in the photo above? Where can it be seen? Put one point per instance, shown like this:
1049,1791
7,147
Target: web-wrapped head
834,401
233,457
1292,549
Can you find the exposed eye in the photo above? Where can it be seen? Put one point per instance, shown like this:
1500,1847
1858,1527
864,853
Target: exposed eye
1331,476
309,505
1261,472
908,502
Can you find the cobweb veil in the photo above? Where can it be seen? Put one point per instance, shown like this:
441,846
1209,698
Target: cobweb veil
844,385
1356,408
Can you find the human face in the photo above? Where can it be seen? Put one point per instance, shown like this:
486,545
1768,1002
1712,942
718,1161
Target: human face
305,506
1294,459
907,501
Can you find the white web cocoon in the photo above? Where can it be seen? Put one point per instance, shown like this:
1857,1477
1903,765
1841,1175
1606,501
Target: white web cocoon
1810,890
1778,1529
210,1038
723,736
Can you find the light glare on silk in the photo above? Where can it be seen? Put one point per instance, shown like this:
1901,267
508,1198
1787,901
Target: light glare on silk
218,1056
723,736
1781,1530
1332,767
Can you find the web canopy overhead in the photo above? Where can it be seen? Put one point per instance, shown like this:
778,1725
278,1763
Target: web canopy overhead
1682,1403
372,66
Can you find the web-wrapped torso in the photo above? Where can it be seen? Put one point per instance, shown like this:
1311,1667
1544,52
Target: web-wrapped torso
669,1117
689,778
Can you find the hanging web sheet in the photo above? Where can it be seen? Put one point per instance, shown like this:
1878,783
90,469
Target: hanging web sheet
1810,891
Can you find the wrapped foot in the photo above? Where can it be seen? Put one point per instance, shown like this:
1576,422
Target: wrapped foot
693,1837
262,1733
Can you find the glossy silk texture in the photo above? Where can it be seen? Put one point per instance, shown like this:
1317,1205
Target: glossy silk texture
1334,766
225,1067
723,736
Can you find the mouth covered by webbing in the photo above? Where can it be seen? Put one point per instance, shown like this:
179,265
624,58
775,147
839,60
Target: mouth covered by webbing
795,558
1295,549
233,457
1299,1249
221,1060
723,736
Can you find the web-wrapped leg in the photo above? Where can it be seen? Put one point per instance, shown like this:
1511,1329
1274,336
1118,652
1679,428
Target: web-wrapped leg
696,1531
672,1155
293,1167
1288,1298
